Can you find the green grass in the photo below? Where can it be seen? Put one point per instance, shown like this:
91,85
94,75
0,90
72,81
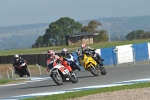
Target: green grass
72,48
32,50
2,81
90,92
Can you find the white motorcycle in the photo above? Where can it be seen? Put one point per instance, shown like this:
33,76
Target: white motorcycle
61,74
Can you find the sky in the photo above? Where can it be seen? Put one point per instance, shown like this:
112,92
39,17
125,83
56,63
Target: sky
20,12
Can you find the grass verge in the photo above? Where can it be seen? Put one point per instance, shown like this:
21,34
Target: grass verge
10,81
90,92
70,48
3,81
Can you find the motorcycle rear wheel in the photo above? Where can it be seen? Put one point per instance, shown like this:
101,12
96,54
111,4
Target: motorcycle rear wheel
57,79
103,71
93,70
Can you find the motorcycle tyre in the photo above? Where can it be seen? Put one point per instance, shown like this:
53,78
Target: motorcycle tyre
20,75
74,78
27,72
53,76
103,71
93,72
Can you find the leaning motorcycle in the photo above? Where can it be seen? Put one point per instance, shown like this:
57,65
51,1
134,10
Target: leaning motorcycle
61,74
100,64
23,70
73,62
89,64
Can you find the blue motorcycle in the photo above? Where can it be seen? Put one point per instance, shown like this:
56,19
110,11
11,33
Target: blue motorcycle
73,62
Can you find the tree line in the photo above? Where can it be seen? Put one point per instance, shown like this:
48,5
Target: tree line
55,34
138,34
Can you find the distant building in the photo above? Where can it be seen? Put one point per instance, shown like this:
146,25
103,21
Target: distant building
78,38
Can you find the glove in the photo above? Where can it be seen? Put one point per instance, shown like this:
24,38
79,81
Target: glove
20,67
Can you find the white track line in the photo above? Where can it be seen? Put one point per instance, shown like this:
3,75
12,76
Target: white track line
79,89
29,80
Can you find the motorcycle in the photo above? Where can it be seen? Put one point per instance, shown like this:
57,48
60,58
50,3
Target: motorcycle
73,62
60,73
100,63
22,70
89,64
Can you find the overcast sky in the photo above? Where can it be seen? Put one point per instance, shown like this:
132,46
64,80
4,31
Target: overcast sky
19,12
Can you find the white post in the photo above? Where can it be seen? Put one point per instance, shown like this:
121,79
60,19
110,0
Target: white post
12,72
39,68
0,76
7,74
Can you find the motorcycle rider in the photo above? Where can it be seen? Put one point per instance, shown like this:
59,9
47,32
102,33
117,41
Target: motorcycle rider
64,53
86,49
51,56
17,60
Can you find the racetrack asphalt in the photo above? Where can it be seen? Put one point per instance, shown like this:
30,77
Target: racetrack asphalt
44,83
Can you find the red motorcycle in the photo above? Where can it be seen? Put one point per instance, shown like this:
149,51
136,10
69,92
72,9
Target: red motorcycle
59,73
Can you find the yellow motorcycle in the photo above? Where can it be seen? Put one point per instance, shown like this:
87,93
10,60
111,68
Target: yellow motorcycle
89,64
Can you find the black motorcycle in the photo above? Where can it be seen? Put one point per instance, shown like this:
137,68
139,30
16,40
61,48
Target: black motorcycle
22,70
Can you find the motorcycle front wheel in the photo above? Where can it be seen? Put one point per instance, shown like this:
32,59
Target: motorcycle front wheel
57,78
27,71
20,75
93,70
73,78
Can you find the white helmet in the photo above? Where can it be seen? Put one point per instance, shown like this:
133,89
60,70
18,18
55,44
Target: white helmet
64,50
78,50
16,56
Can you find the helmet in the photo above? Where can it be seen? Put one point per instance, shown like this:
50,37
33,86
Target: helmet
16,57
50,53
78,51
83,46
64,50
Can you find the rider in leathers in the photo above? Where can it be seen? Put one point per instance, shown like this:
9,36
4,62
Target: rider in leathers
17,61
51,56
64,53
86,49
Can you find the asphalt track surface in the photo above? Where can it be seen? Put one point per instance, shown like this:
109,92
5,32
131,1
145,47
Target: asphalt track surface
85,78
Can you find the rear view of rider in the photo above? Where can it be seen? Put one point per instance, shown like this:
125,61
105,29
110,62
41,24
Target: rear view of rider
51,56
86,49
64,53
17,61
